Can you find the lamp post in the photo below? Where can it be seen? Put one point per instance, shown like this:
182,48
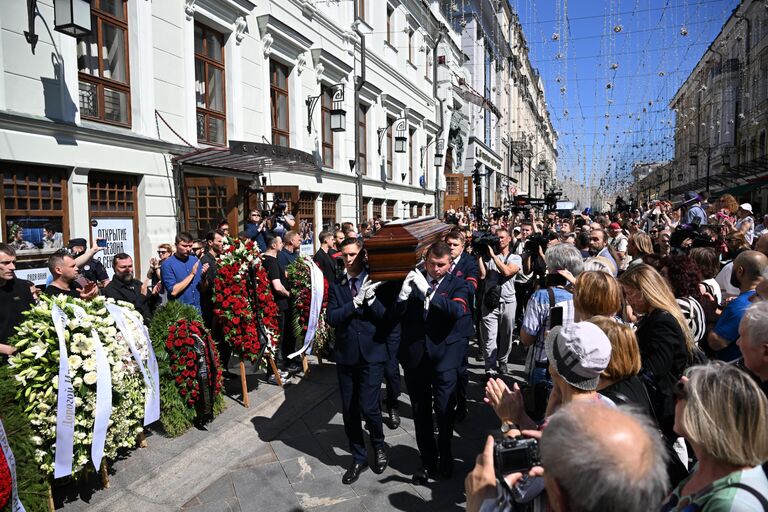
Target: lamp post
694,160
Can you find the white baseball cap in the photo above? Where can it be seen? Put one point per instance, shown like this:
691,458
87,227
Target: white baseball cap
579,352
747,207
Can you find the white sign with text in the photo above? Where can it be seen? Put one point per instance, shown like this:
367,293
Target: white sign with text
119,236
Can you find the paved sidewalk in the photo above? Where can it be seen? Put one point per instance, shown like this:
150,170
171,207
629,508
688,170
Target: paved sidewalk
287,452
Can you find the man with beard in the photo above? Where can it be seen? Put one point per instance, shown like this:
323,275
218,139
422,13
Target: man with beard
746,275
65,274
124,287
598,246
15,298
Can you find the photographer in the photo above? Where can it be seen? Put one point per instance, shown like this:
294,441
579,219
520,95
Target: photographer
280,219
255,229
499,304
523,279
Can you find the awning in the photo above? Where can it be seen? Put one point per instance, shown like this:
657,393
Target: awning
746,187
251,157
474,97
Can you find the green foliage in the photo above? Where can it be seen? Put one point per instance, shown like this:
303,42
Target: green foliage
33,488
175,416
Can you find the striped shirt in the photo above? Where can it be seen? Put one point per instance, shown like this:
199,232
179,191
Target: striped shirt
694,315
536,318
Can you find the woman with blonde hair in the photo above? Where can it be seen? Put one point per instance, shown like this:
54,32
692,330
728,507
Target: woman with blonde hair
664,339
638,246
619,381
596,293
723,414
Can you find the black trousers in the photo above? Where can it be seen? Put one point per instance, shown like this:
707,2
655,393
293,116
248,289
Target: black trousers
428,389
392,382
360,387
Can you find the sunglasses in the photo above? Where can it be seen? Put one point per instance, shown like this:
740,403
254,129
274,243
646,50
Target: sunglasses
197,248
680,390
162,252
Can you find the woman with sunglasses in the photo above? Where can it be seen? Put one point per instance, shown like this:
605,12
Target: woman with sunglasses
723,415
164,252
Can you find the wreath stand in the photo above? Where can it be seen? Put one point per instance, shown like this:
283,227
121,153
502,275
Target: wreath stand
103,471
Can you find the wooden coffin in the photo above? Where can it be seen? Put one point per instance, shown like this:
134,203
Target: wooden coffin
398,247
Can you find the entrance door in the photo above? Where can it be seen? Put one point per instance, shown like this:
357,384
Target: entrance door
208,201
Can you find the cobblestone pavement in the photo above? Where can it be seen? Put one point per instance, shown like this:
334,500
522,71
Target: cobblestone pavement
287,452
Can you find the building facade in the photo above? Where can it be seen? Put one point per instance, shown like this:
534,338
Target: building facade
721,113
174,115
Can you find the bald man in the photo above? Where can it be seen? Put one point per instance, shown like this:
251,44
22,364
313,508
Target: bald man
746,276
595,458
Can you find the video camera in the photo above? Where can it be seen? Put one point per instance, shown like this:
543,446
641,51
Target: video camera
482,240
498,213
690,231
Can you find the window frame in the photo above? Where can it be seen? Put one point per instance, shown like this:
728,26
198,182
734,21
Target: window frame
411,34
207,61
100,17
390,25
274,91
411,136
326,105
362,127
329,208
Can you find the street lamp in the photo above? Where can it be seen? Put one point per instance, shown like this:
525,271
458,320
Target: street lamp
338,114
71,17
439,153
401,135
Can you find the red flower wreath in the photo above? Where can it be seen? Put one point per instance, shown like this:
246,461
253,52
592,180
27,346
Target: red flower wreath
180,346
237,308
6,483
300,281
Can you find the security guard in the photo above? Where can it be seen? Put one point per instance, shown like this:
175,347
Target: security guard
354,311
432,305
464,266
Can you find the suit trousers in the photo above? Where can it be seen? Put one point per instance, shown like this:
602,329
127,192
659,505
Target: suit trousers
392,382
497,327
360,387
430,389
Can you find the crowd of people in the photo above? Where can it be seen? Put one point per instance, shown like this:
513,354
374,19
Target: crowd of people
645,334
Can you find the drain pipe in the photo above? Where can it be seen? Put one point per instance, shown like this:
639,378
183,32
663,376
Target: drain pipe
359,82
438,206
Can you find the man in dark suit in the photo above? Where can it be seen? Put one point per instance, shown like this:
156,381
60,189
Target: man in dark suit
354,311
323,256
432,305
465,267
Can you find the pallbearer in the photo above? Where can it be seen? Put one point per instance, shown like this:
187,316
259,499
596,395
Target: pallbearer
354,311
433,343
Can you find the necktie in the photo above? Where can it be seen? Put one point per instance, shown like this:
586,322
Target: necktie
353,286
453,266
434,284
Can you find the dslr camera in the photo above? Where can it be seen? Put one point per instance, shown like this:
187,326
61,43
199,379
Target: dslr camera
515,455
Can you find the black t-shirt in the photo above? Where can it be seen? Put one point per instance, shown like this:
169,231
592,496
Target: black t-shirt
94,271
74,290
629,391
15,298
206,293
274,272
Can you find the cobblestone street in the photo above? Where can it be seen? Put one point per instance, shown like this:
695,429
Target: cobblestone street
285,453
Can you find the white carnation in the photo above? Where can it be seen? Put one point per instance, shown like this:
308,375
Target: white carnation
75,361
89,364
90,378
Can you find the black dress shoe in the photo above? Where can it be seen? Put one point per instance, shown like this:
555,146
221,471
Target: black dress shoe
353,473
381,460
394,419
422,476
446,467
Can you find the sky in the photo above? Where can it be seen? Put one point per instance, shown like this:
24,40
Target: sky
610,69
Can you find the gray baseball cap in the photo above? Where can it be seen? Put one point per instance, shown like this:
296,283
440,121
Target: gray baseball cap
579,352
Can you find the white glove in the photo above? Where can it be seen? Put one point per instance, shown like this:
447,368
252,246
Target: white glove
370,291
420,283
406,290
358,299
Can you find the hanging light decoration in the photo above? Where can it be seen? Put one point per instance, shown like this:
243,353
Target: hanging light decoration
609,85
683,31
555,36
615,65
618,28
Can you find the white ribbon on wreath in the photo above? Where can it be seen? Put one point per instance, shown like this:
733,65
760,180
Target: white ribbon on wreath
65,407
315,306
16,505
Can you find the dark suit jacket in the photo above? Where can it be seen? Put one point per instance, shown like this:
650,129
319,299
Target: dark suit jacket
469,271
355,327
440,334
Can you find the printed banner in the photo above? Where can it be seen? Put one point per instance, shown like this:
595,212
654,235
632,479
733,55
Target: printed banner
315,306
65,410
119,236
103,393
16,505
149,371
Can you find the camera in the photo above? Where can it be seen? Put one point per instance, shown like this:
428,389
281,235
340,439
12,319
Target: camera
690,231
482,240
498,213
513,455
534,242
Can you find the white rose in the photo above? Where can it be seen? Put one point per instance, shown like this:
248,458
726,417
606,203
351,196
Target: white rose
77,382
90,378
